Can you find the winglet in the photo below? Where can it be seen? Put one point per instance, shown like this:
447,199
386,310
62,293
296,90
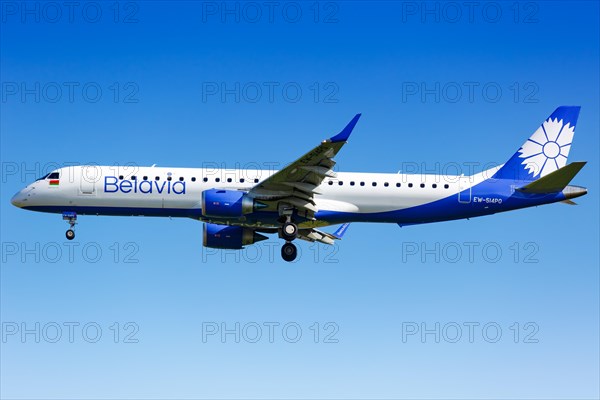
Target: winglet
345,134
341,230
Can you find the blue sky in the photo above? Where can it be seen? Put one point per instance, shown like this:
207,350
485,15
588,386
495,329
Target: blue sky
196,84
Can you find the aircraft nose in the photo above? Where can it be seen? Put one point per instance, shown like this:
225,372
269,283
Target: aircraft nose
17,199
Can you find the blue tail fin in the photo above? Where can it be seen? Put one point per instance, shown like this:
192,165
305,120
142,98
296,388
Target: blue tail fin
546,150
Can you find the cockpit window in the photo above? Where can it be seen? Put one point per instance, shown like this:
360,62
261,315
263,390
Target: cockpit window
53,175
42,178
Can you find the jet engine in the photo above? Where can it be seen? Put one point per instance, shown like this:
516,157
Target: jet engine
221,203
229,237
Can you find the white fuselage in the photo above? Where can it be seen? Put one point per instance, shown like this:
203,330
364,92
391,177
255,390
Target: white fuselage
158,191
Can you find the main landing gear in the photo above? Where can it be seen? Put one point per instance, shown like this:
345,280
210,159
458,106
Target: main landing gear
71,218
289,251
289,232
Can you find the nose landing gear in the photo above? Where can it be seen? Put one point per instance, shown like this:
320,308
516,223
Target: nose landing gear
71,217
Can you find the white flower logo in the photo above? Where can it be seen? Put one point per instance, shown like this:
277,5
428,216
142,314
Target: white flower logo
548,148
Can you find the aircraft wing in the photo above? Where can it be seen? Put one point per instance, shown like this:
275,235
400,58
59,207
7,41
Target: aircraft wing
315,235
295,185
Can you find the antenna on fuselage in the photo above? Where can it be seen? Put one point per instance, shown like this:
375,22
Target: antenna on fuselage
153,165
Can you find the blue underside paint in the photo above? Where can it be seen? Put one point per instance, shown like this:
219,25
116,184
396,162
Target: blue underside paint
121,211
445,209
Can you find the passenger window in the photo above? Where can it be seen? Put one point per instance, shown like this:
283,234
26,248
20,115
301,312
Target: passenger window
193,179
256,180
169,178
181,178
398,184
374,183
422,185
120,177
157,178
204,179
229,180
446,186
145,178
340,183
351,183
242,180
217,179
434,186
386,184
410,185
362,184
133,177
330,183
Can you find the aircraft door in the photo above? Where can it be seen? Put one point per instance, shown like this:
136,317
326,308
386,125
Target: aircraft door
90,174
464,196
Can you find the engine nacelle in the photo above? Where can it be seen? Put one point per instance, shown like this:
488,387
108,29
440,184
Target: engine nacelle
220,203
229,237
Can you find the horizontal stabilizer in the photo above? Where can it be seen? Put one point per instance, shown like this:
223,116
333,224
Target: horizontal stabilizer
555,181
569,202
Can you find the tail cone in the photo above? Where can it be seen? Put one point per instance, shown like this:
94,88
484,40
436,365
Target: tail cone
572,191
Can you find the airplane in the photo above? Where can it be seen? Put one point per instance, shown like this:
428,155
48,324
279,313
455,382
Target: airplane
238,208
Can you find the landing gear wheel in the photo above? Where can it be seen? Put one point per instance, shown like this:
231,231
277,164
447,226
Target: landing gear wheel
289,252
71,218
289,231
70,234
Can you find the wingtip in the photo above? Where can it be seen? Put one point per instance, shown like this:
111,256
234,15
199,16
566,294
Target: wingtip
339,233
345,133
